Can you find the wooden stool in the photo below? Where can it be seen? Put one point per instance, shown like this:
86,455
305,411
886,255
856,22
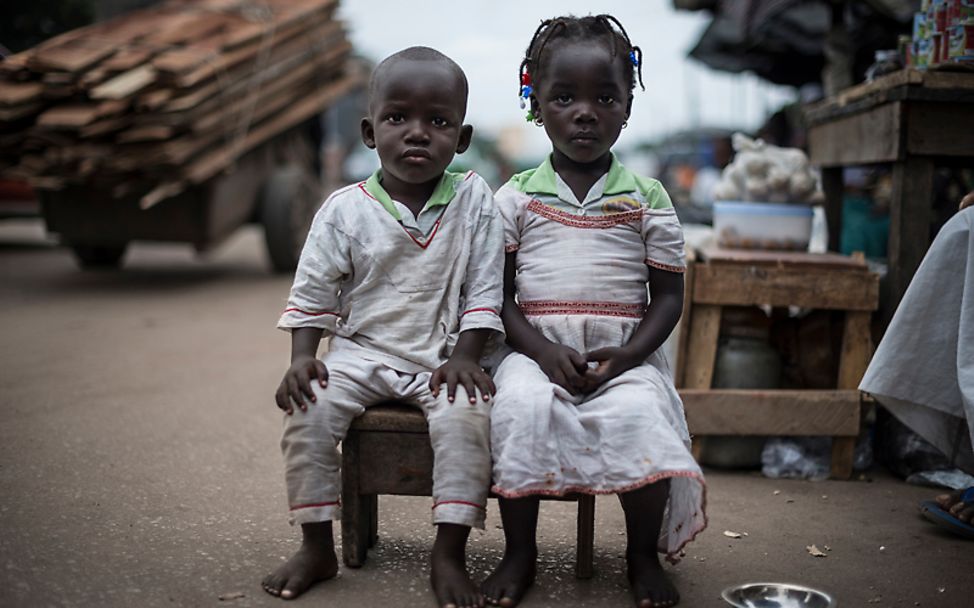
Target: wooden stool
778,279
387,451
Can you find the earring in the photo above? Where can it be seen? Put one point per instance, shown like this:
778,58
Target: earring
625,124
538,121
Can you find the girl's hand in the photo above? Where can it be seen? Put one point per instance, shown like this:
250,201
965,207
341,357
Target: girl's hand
462,370
295,388
564,366
612,361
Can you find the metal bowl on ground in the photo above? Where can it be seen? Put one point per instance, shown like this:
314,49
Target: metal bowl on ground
776,595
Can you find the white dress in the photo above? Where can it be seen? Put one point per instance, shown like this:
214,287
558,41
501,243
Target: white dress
582,281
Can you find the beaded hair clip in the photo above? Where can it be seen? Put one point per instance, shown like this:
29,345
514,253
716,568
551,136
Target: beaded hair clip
526,90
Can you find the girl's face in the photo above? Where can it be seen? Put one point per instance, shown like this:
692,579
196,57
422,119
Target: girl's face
583,99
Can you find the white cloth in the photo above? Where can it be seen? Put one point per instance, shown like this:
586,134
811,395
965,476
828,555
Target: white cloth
390,296
582,281
459,432
923,369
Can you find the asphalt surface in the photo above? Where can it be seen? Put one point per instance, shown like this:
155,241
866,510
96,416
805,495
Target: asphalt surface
139,465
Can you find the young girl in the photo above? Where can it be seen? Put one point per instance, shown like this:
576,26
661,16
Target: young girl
586,403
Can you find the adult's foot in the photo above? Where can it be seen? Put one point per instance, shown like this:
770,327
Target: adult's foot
954,504
651,588
512,578
311,564
451,583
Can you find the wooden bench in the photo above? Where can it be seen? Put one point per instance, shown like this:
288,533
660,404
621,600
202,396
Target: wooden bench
725,277
387,451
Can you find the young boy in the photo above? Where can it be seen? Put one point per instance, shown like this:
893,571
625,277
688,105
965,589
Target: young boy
403,271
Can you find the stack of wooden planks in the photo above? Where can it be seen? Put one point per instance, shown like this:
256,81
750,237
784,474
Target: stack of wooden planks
159,99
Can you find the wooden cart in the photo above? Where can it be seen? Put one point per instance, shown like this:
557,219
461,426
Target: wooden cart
277,185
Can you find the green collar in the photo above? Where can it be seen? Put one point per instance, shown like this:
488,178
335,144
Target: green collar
444,192
542,180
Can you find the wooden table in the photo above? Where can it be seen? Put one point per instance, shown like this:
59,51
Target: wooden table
911,119
723,277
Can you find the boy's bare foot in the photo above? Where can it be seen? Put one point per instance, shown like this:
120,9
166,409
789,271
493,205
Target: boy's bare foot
448,569
314,562
651,588
512,578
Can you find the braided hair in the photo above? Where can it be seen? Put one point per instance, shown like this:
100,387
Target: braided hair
570,27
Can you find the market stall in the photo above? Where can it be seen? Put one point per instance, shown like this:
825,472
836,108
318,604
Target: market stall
915,120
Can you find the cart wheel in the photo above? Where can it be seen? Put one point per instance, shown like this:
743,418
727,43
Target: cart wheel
99,256
289,200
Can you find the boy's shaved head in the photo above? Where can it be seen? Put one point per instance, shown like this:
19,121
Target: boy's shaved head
418,54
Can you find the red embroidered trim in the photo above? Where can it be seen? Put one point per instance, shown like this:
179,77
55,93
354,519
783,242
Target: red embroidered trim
333,503
436,226
311,314
361,186
460,502
469,175
557,307
680,269
671,556
429,240
575,221
490,310
511,248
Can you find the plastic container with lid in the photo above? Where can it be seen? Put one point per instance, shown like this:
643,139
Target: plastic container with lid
746,225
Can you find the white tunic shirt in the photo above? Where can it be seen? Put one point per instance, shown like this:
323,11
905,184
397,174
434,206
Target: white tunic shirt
396,289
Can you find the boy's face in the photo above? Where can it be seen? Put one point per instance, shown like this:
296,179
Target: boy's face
583,99
415,122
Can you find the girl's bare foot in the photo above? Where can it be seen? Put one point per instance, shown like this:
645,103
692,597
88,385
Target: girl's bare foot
508,583
651,588
448,569
314,562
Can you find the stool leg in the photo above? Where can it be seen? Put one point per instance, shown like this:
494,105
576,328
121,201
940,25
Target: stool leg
372,502
586,536
355,518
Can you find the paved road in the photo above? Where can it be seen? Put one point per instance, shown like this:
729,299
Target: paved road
139,464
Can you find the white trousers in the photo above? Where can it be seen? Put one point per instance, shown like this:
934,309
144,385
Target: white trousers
459,432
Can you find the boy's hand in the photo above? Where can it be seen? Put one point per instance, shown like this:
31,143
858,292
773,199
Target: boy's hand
296,385
564,366
465,371
612,361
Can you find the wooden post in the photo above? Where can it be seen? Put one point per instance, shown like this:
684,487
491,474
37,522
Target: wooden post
585,540
702,349
833,187
701,355
909,227
853,361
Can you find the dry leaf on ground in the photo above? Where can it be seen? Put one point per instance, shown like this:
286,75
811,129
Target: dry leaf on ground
233,595
815,551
